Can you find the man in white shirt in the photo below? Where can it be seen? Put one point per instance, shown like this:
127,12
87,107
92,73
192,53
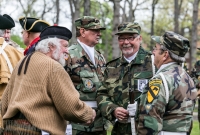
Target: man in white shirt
85,67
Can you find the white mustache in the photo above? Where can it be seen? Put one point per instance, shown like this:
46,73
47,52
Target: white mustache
126,46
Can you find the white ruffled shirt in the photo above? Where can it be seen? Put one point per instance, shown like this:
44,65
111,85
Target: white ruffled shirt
89,50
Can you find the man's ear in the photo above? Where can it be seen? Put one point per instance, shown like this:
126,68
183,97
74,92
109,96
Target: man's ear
166,55
51,47
82,32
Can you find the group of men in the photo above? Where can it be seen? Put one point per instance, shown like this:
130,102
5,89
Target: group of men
140,92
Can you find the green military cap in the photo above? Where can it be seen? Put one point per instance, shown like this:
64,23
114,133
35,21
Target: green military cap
6,22
33,24
129,27
174,42
88,22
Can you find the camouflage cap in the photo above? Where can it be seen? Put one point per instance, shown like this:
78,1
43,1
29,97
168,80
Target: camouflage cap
174,42
88,22
129,27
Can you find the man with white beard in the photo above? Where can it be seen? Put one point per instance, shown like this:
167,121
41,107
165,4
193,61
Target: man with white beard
124,80
40,95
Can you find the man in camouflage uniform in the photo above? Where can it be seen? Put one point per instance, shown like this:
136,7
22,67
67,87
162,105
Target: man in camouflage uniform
124,78
85,67
167,102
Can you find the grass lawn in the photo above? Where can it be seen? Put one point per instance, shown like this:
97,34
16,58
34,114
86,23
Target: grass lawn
195,129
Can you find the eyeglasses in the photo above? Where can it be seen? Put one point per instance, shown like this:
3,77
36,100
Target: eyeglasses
85,22
131,38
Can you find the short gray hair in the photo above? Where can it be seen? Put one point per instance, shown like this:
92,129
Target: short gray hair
43,46
172,55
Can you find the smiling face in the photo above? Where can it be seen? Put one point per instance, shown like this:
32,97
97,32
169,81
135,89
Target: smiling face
129,44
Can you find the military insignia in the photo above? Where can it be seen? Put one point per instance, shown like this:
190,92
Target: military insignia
88,84
153,89
141,84
148,107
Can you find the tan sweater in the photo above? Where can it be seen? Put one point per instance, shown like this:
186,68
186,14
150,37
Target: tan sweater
45,95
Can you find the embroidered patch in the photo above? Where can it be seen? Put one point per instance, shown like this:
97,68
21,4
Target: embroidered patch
148,107
88,84
153,89
141,84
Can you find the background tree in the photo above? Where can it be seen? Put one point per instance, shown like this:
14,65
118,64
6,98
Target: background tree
75,13
177,9
116,22
87,5
194,37
153,5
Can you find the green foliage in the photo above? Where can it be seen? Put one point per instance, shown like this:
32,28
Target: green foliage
18,40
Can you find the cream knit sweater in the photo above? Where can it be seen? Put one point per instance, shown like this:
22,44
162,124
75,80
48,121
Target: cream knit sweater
45,95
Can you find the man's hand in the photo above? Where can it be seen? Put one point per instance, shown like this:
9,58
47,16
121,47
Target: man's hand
121,114
93,117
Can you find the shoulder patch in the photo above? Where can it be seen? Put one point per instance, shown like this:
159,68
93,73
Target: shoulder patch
154,88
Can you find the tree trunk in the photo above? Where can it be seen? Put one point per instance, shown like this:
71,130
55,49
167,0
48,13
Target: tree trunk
154,2
57,11
87,5
177,9
115,46
194,34
130,17
75,13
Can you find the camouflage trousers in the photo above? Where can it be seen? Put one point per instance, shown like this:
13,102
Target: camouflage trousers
121,129
78,132
19,126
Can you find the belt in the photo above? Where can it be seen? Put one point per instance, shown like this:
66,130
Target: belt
172,133
92,104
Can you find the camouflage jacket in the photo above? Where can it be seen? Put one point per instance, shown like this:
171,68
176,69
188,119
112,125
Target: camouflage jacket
154,114
86,78
120,77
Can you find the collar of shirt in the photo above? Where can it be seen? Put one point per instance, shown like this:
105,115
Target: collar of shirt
164,66
89,50
129,59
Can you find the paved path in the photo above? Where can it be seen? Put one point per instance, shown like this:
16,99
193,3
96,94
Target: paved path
195,116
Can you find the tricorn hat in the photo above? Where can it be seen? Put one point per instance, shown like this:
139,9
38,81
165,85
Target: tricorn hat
6,22
33,24
56,31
